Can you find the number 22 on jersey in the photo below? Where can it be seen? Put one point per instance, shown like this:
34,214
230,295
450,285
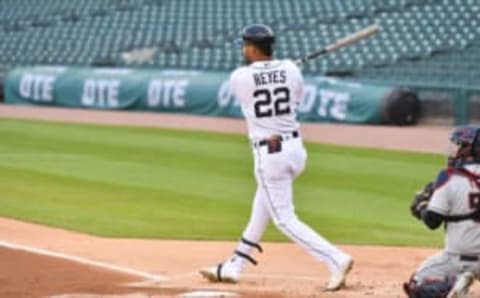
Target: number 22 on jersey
270,103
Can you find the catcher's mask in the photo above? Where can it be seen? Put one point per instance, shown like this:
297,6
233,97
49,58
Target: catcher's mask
467,141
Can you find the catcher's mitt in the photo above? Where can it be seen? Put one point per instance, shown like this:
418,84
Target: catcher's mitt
421,199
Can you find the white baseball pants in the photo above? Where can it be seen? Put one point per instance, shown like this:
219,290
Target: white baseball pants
275,173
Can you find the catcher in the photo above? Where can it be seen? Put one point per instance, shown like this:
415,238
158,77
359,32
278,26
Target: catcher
454,200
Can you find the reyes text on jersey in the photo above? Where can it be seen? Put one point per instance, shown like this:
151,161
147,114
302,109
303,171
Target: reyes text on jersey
269,93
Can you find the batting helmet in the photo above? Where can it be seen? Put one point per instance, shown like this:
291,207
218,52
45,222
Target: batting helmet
467,138
258,33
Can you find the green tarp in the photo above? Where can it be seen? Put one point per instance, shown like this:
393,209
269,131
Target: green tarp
176,91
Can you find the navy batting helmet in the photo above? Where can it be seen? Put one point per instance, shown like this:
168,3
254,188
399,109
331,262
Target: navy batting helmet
467,138
258,33
261,36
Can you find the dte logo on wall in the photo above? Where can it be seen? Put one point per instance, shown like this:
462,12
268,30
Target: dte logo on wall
100,93
167,93
37,87
331,103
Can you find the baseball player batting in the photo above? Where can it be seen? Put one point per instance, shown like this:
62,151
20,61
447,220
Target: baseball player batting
453,199
269,92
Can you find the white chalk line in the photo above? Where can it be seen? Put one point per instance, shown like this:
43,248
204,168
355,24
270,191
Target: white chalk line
111,267
246,276
283,276
249,276
152,279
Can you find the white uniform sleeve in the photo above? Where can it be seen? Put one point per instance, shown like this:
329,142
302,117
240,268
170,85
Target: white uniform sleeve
441,196
301,89
235,83
232,83
299,84
439,201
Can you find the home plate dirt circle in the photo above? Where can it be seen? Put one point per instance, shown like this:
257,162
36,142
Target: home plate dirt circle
202,294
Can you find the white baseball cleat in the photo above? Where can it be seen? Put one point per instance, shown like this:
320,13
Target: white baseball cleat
221,273
337,280
461,286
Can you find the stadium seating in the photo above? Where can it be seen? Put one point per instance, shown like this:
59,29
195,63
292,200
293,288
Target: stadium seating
428,41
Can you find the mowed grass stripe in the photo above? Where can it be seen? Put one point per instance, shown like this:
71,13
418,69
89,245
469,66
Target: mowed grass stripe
110,209
156,183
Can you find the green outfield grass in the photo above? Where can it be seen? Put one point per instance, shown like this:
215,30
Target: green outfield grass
155,183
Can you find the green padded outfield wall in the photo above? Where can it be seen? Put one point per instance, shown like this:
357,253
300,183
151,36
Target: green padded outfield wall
176,91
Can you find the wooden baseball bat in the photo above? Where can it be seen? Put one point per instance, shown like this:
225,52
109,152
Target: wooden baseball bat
343,42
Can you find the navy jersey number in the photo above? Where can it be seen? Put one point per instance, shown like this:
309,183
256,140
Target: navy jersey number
263,102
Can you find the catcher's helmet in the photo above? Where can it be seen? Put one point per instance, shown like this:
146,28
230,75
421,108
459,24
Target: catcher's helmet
258,34
467,138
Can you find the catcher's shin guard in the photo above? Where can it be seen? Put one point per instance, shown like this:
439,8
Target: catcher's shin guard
431,288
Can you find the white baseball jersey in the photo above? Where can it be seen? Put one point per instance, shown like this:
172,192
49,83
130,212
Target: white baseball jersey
458,194
269,93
